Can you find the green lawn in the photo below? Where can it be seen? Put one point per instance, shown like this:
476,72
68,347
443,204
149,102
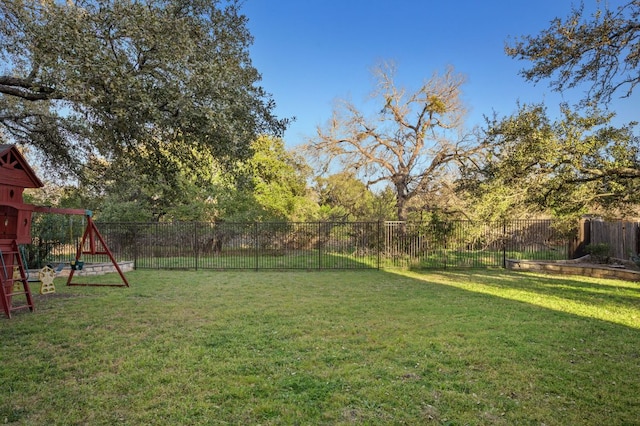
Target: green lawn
358,347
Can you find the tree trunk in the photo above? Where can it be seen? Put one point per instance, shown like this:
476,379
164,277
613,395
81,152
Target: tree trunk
401,206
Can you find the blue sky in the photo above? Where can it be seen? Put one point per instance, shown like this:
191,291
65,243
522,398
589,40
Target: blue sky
311,52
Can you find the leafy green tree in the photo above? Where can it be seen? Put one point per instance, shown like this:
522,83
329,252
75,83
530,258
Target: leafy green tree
271,185
343,197
172,192
601,50
565,167
408,144
384,205
596,166
51,231
124,78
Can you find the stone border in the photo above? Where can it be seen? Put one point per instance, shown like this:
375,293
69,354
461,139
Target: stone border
565,268
90,269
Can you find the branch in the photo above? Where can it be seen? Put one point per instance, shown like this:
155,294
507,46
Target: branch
595,174
25,89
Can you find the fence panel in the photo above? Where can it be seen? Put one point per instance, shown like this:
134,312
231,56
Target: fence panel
467,244
270,245
331,245
441,245
620,236
535,240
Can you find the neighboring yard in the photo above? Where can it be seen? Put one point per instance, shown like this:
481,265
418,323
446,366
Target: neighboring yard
366,347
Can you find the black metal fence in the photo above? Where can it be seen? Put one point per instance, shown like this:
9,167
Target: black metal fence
332,245
456,244
318,245
325,245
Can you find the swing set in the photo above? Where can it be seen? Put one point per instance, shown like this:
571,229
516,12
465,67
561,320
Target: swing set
15,230
92,243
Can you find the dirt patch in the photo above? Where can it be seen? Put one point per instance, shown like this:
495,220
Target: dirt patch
54,296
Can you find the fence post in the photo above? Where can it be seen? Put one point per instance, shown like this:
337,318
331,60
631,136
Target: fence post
379,244
256,244
319,246
196,246
504,244
583,239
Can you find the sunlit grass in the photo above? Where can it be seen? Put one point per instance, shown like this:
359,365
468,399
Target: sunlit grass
604,299
359,347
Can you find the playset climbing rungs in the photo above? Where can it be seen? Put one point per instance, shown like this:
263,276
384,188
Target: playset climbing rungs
14,281
15,230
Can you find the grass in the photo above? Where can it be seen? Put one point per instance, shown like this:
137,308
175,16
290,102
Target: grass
313,259
302,259
359,347
457,256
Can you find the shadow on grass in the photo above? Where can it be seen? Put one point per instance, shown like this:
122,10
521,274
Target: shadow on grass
611,300
479,347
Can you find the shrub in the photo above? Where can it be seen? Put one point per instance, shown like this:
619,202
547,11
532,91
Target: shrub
599,252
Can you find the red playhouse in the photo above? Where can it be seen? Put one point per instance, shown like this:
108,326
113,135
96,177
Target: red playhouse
15,229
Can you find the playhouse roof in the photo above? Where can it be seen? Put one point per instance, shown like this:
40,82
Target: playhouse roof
14,169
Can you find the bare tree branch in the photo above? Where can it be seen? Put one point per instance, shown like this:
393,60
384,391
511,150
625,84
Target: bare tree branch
406,144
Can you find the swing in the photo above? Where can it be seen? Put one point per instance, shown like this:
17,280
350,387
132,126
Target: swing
92,243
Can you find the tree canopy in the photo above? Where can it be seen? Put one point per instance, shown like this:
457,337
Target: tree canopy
408,144
117,78
270,185
601,50
579,162
573,165
343,197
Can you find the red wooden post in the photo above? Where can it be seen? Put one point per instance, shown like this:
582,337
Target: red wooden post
15,222
15,226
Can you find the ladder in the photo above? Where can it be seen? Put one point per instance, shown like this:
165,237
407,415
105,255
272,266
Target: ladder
13,281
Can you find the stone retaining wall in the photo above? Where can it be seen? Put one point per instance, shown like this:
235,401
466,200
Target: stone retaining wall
589,270
90,269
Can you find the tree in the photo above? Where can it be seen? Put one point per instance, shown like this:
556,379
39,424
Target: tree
343,197
272,183
565,167
408,144
52,232
172,190
121,78
602,50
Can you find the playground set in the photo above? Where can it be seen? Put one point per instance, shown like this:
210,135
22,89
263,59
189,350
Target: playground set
15,230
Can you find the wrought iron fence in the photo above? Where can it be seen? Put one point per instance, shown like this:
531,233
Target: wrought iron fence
456,244
329,245
309,245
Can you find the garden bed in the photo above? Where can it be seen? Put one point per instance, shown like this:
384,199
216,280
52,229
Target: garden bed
585,266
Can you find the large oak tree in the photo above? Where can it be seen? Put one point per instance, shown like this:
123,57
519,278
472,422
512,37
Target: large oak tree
580,161
569,166
408,143
601,50
117,78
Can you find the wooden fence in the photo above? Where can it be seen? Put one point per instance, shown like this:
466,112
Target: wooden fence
620,236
